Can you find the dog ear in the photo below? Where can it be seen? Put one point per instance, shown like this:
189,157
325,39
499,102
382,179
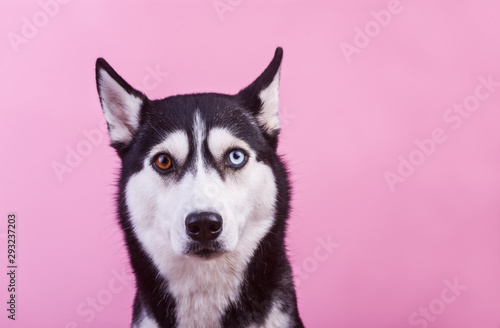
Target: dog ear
120,103
261,97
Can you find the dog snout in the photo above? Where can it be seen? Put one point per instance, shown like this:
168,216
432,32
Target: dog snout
204,226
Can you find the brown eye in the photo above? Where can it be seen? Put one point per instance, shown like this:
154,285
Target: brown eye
163,162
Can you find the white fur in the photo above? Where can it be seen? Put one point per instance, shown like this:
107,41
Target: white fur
220,140
176,144
276,318
146,322
268,117
121,109
158,208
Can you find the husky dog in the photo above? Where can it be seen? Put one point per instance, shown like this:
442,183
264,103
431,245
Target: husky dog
203,202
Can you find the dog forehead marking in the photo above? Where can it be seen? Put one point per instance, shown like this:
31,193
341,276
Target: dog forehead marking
199,137
220,140
176,144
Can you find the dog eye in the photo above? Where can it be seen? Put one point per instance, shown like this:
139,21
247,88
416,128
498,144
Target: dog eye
237,158
162,163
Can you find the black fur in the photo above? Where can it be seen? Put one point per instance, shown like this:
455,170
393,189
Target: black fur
268,276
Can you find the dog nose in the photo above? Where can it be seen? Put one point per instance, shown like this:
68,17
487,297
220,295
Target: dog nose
204,226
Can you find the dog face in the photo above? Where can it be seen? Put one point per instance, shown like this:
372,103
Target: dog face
197,170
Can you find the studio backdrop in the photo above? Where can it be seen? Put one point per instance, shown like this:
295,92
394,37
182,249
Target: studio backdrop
390,128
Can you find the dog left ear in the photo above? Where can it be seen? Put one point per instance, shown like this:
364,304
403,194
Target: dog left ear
261,97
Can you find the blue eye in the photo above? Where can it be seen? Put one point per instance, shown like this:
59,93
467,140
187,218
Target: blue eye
237,158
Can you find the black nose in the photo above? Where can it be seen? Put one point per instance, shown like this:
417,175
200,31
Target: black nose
204,226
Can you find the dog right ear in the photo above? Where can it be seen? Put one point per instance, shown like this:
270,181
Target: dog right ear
120,103
261,98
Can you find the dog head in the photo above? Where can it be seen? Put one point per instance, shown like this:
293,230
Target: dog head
197,175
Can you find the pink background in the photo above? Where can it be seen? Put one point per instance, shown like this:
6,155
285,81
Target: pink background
348,120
